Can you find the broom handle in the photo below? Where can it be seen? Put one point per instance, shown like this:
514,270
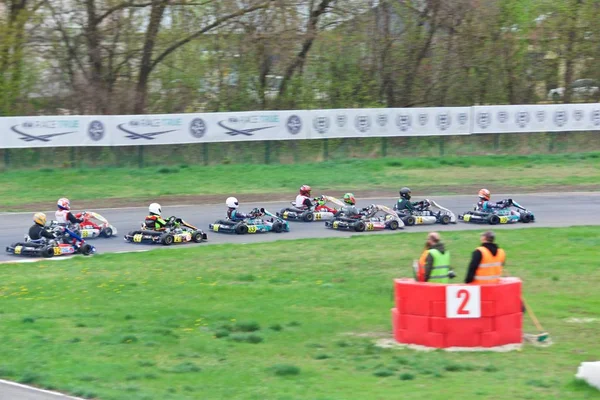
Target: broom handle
529,311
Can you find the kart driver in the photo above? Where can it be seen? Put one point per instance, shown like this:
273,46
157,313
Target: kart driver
233,214
404,202
303,199
350,209
38,230
484,203
155,221
64,215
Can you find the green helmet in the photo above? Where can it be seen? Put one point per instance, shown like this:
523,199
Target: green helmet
349,199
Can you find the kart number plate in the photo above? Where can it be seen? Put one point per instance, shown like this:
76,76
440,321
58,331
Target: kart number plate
216,227
57,251
318,216
335,224
137,238
370,226
285,214
84,233
418,220
503,220
466,217
252,229
177,239
18,249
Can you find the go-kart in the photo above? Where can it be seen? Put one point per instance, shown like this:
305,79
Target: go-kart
316,213
176,231
67,242
424,215
367,220
93,225
506,215
255,224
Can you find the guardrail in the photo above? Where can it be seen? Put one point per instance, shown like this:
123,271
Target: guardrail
165,129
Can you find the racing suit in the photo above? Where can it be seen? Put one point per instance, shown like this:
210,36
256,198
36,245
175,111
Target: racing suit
155,222
234,215
350,211
404,204
302,202
65,216
486,205
37,232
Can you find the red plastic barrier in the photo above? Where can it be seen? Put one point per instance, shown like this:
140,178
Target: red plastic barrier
425,315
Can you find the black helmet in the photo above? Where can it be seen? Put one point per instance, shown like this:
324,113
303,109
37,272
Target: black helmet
405,193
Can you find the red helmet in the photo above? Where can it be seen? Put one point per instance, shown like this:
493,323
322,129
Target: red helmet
484,194
305,190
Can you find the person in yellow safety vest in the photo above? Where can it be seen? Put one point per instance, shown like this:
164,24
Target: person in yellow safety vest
486,262
434,263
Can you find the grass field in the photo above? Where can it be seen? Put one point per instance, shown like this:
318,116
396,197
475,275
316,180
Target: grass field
286,320
432,175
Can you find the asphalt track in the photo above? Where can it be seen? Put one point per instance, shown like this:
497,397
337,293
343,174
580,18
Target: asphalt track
551,210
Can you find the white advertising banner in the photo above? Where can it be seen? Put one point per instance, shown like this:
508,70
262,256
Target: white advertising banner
390,122
536,118
55,131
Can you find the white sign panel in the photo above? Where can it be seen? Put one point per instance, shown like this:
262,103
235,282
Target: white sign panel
463,301
536,118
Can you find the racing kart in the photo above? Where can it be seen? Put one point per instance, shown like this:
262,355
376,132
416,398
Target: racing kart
424,215
506,215
317,213
367,220
255,224
177,231
67,242
93,225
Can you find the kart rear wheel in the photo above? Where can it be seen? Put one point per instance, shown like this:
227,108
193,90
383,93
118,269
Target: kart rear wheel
360,226
445,220
394,225
86,249
494,219
197,236
167,239
309,216
410,220
277,227
48,252
106,232
241,229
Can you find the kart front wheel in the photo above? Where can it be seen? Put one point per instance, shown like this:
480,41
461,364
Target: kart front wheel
277,227
526,218
107,232
86,249
445,220
197,236
360,226
241,229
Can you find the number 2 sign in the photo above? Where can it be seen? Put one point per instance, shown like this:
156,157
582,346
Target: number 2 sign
463,301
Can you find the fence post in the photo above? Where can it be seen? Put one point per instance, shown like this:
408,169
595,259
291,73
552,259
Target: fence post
551,142
205,153
73,161
496,142
384,147
6,158
267,152
442,146
325,149
141,156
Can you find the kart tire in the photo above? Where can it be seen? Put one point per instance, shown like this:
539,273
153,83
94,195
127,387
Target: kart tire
47,252
445,220
277,227
86,249
107,232
494,219
241,229
197,237
360,226
410,220
167,239
525,218
309,216
394,225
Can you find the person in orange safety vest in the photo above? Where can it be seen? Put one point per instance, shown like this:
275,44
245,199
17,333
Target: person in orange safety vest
487,261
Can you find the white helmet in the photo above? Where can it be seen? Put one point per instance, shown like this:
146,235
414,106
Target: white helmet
155,209
232,202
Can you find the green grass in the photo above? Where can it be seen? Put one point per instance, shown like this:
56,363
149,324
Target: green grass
189,323
435,175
